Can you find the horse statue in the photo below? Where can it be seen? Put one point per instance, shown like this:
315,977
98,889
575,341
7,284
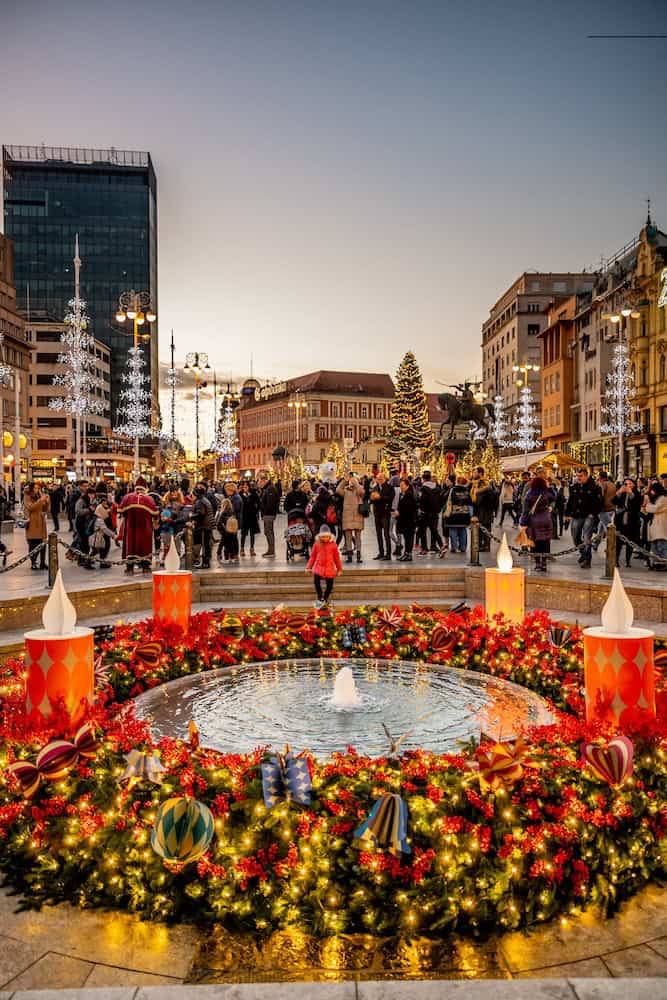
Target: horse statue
464,409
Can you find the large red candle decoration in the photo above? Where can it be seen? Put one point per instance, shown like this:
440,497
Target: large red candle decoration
618,665
59,662
172,591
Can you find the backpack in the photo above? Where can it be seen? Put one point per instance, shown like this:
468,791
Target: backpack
231,525
332,516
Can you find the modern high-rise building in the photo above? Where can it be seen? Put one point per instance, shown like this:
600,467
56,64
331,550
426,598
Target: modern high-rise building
108,197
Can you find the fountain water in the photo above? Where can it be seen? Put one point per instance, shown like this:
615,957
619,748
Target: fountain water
345,694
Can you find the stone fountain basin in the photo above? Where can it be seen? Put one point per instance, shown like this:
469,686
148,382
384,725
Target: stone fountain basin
272,703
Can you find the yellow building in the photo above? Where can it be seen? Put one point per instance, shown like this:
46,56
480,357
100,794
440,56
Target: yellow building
646,451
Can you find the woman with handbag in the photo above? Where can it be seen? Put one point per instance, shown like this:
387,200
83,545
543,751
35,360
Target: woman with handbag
538,502
627,520
457,515
406,518
354,509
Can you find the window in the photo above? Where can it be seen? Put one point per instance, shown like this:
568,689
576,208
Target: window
533,329
534,287
349,410
560,286
663,419
322,432
662,368
643,373
533,307
335,410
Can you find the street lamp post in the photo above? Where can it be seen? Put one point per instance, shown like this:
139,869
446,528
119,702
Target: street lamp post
5,382
298,405
620,385
526,433
136,306
197,363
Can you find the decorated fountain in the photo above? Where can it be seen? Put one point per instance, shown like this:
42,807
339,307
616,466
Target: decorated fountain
326,774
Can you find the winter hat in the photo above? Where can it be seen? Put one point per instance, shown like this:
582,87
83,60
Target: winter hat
324,530
141,482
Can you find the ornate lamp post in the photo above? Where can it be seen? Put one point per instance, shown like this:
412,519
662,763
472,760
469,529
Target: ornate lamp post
298,405
527,428
136,306
197,363
620,385
5,382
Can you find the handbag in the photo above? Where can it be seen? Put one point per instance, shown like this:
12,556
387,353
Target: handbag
447,512
364,508
231,525
522,540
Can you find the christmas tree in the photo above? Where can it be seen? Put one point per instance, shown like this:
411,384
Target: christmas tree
409,427
337,456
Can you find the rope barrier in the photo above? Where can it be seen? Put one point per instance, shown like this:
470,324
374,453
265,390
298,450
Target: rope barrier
91,557
19,562
547,555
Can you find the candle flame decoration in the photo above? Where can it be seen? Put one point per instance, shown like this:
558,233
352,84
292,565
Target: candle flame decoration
172,562
504,557
618,613
59,614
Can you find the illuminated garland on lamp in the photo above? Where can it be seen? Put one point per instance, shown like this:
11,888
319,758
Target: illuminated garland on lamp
78,380
501,836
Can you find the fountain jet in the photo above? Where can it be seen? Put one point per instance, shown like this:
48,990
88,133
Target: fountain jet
345,694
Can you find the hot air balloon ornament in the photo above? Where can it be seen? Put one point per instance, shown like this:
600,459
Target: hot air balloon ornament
611,763
183,830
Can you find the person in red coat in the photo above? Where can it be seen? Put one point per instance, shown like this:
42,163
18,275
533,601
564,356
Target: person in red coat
325,564
138,513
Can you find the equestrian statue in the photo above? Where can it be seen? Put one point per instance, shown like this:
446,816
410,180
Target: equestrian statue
464,409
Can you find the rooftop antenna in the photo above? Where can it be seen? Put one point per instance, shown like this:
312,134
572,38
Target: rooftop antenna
649,221
251,366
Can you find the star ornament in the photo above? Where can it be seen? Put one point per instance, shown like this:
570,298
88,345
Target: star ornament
502,766
391,616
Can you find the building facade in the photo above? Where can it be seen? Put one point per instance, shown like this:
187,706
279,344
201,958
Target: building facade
14,368
646,451
351,409
108,197
511,334
53,432
557,374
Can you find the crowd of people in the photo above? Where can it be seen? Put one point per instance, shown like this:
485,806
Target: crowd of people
407,515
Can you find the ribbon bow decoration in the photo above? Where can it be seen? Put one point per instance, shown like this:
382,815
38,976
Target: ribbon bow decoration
148,653
503,764
558,636
391,616
55,760
142,765
386,826
286,778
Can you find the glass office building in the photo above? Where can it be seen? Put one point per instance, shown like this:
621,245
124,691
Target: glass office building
108,197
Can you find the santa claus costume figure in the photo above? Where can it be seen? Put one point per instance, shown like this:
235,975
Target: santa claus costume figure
138,512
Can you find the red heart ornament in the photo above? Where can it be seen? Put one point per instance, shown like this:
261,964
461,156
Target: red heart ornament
613,762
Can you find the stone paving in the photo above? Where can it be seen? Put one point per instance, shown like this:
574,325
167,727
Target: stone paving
25,582
63,947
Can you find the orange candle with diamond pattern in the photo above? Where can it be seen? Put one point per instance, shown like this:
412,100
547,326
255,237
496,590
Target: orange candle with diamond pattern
172,591
618,664
59,661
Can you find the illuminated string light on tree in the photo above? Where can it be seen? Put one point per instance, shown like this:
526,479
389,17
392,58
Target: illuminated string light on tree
618,402
409,426
225,445
78,378
500,428
527,428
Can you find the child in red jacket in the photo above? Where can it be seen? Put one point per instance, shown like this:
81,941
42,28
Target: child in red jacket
325,563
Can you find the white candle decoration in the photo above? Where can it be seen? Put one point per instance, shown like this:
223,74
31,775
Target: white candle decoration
59,614
618,613
504,557
172,562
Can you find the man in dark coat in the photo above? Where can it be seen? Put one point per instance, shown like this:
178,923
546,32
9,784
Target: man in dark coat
582,511
138,512
269,502
203,517
382,498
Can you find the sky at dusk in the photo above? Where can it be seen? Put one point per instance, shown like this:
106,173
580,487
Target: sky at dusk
340,182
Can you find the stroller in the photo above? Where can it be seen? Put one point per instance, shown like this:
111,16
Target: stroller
298,536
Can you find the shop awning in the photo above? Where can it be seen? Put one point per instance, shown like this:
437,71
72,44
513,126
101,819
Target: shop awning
517,463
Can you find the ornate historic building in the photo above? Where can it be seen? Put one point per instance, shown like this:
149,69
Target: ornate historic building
647,338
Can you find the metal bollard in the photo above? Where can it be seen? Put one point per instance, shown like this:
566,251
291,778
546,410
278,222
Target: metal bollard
610,552
52,552
189,550
474,542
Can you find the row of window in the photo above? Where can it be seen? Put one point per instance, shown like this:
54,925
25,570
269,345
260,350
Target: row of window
551,416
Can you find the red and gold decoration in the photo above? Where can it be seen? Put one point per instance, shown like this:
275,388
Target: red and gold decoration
515,836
